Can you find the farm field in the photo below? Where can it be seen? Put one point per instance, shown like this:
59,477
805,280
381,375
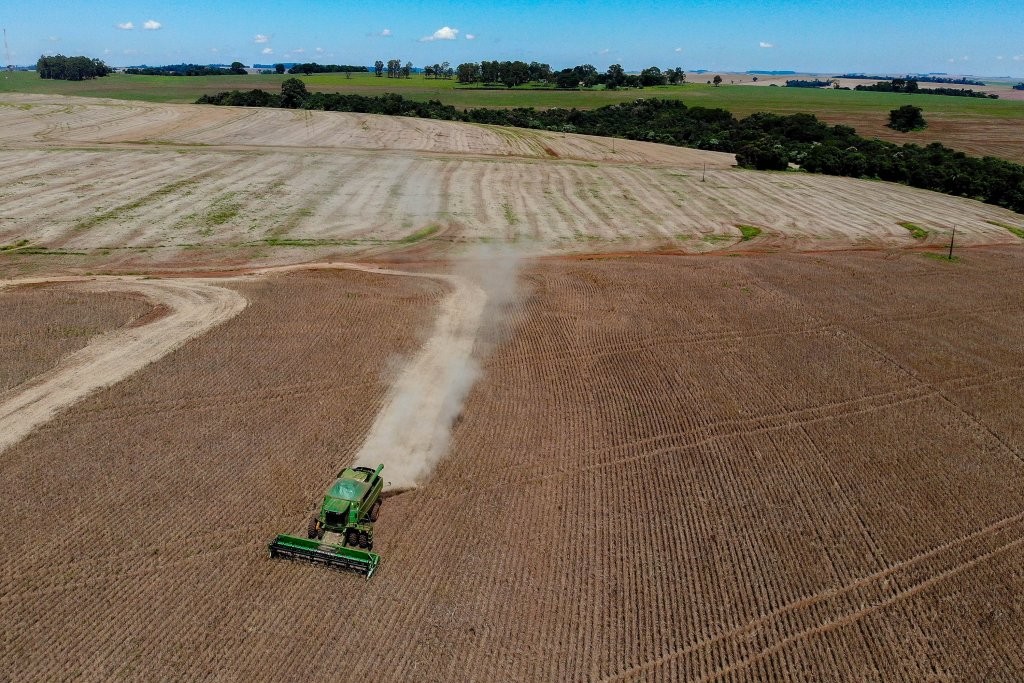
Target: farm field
976,126
95,185
43,324
760,466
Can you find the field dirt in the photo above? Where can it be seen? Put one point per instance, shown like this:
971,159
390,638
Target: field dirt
770,466
42,324
132,187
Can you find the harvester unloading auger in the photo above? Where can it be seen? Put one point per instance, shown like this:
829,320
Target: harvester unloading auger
341,534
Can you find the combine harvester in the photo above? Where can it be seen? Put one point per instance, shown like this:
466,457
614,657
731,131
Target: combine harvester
341,535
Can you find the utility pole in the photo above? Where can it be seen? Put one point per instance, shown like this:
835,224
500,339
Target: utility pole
951,238
704,171
7,54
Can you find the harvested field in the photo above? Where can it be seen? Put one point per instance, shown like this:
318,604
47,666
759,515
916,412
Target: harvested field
98,185
42,324
779,466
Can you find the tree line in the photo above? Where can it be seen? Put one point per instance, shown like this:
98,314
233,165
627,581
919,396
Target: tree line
236,69
314,68
760,141
909,85
922,79
59,67
514,73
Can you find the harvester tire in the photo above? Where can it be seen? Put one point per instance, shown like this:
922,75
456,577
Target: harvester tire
311,530
351,538
364,540
374,511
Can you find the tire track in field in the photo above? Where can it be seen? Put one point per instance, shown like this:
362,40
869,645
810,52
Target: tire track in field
195,307
857,595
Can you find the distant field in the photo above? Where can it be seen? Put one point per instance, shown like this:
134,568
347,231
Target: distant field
976,126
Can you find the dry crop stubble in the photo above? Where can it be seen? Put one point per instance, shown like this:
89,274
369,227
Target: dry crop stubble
42,324
180,186
670,468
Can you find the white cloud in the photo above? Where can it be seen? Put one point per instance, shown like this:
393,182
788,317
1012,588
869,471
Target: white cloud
678,49
259,39
604,51
319,50
267,51
443,33
151,25
126,26
215,50
470,36
107,51
53,39
1000,58
130,51
767,45
298,51
1018,58
385,33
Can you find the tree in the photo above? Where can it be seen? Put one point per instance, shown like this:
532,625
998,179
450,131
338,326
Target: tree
238,68
652,76
378,68
907,118
407,70
615,76
394,68
293,93
468,72
717,80
279,68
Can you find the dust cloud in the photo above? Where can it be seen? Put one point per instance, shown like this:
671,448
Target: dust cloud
413,428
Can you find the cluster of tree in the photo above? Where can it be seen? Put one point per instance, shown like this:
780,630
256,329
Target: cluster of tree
59,67
909,85
314,68
921,79
442,70
762,141
907,118
236,69
509,74
816,83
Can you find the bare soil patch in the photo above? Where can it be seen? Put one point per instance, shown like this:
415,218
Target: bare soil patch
760,467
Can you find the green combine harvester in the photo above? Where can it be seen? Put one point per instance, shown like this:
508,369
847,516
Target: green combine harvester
341,534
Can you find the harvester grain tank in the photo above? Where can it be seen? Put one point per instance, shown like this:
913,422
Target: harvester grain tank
341,533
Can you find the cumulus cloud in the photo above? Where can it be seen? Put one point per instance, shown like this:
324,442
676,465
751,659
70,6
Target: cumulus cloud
767,45
299,51
385,33
604,51
151,25
678,49
267,51
126,26
1018,58
259,39
470,36
443,33
319,50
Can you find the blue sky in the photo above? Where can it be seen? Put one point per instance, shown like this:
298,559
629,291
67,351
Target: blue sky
981,38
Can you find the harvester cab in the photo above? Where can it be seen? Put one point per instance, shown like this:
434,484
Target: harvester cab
341,533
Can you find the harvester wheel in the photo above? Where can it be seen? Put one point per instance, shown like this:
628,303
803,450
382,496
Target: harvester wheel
364,540
374,511
313,531
351,538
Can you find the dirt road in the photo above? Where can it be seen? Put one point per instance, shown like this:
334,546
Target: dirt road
194,307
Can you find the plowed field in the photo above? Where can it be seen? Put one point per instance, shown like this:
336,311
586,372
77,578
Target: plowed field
773,467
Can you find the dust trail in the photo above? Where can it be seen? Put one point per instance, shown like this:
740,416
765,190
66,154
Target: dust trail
195,306
413,429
